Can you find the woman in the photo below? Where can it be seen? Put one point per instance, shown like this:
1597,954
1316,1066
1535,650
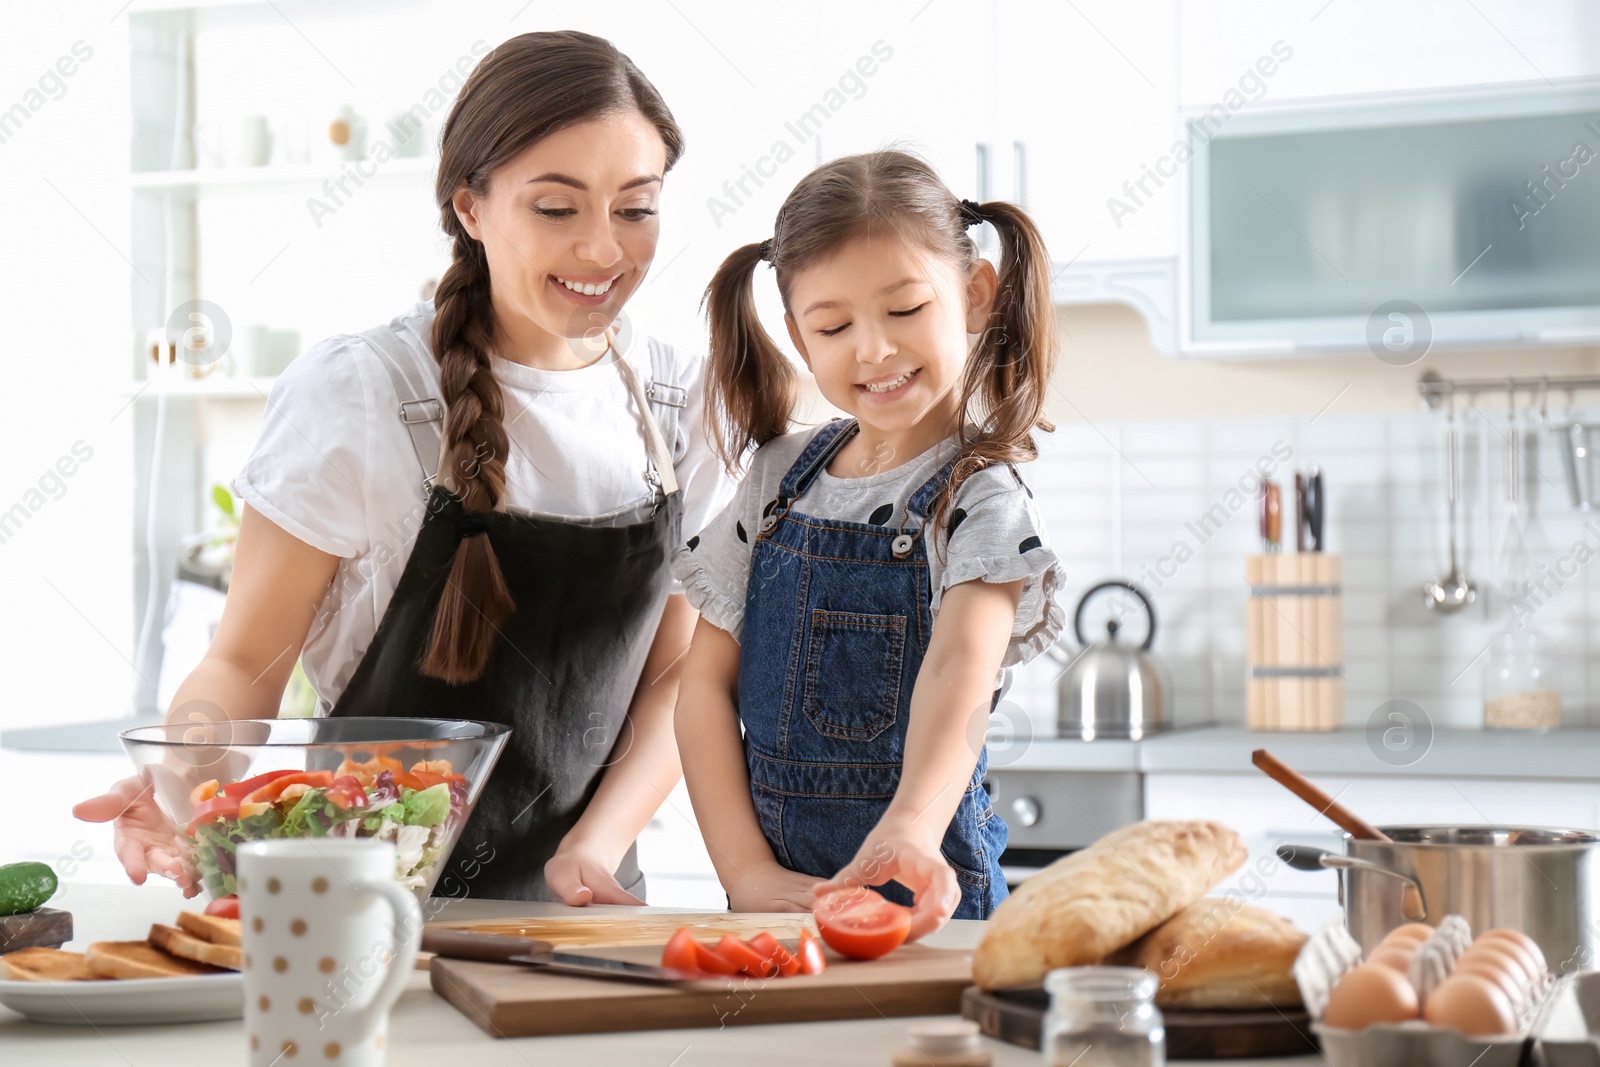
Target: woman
502,500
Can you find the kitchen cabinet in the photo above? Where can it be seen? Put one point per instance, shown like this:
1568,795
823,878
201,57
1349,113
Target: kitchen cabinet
1086,112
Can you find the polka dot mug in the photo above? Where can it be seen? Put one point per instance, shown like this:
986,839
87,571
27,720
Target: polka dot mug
329,943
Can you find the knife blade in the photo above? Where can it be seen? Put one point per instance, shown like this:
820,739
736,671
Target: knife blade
1315,500
497,948
1299,512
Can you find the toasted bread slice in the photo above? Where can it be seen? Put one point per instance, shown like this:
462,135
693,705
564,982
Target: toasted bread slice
45,965
141,959
175,942
212,928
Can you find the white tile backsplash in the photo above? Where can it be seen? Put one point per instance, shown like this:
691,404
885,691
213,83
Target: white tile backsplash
1118,498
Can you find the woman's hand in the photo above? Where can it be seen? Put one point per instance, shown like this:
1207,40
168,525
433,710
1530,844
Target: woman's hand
145,839
581,872
913,859
771,887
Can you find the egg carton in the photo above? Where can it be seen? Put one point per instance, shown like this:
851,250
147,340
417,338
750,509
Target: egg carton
1332,951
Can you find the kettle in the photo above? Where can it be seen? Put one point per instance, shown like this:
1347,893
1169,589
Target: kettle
1110,689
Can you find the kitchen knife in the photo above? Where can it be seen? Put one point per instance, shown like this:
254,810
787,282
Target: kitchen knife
1274,517
1299,512
1314,504
496,948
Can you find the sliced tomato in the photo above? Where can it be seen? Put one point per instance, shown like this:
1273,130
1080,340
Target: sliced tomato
224,908
347,793
713,961
772,951
250,785
218,807
809,953
272,790
749,960
203,792
858,923
681,953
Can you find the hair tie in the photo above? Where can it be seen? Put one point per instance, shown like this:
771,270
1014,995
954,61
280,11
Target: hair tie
472,523
765,248
971,212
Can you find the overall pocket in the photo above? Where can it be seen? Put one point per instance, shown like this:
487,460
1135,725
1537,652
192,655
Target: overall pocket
852,684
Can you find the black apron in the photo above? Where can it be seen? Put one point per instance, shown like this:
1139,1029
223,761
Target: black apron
589,593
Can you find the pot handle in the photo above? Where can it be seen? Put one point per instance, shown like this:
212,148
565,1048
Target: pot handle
1115,583
1305,858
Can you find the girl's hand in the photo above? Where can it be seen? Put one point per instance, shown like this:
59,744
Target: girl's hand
913,860
583,873
145,839
771,887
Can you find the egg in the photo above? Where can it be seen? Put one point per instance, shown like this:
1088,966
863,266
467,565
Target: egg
1370,994
1396,957
1471,1004
1516,937
1515,988
1410,932
1504,954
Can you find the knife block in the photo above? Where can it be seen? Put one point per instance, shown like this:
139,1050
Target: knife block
1294,642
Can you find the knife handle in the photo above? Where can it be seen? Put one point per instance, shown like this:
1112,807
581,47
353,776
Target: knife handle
468,945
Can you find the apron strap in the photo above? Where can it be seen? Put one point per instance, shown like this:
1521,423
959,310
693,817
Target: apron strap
420,410
661,469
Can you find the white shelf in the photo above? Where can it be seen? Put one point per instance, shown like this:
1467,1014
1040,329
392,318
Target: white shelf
216,388
406,168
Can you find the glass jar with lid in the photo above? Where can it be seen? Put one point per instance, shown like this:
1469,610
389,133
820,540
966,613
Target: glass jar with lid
1103,1017
1517,691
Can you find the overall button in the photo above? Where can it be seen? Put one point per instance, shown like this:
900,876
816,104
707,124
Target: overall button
768,523
902,544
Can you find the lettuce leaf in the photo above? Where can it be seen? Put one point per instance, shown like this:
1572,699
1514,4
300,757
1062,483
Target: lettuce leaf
427,807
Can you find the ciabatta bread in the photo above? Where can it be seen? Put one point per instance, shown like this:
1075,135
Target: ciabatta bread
1085,906
1220,953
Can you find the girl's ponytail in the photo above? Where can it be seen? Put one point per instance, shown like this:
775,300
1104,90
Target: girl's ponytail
751,383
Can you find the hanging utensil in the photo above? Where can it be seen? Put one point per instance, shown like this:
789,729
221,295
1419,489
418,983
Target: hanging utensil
1454,590
1515,562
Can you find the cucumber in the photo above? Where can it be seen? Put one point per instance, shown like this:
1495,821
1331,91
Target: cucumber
25,886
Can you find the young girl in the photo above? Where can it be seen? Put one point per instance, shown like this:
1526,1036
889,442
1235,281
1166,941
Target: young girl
867,589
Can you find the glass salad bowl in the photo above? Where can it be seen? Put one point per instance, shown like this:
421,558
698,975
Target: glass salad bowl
224,781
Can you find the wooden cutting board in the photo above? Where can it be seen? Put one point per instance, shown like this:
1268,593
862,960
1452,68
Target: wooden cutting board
44,927
1017,1017
581,931
510,1000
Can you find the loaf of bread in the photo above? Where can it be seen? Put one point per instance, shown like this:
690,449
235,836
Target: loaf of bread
1085,906
1220,953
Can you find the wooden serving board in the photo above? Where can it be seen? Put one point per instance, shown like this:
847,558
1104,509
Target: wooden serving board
581,931
45,927
512,1000
1017,1017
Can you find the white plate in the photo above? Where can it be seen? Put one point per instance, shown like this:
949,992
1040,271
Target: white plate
128,1001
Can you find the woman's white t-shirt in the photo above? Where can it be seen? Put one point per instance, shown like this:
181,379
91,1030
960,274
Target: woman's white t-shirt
335,467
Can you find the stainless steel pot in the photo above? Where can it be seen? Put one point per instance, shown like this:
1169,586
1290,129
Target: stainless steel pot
1542,881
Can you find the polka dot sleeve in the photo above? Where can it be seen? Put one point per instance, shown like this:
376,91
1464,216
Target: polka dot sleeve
996,534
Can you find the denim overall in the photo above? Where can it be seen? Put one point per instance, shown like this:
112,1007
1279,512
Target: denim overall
837,620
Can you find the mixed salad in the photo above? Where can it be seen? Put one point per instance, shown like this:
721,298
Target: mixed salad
420,810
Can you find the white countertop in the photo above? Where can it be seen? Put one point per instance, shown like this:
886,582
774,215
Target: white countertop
1572,754
427,1032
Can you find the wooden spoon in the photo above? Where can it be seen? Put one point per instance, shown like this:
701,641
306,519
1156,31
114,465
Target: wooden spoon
1301,786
